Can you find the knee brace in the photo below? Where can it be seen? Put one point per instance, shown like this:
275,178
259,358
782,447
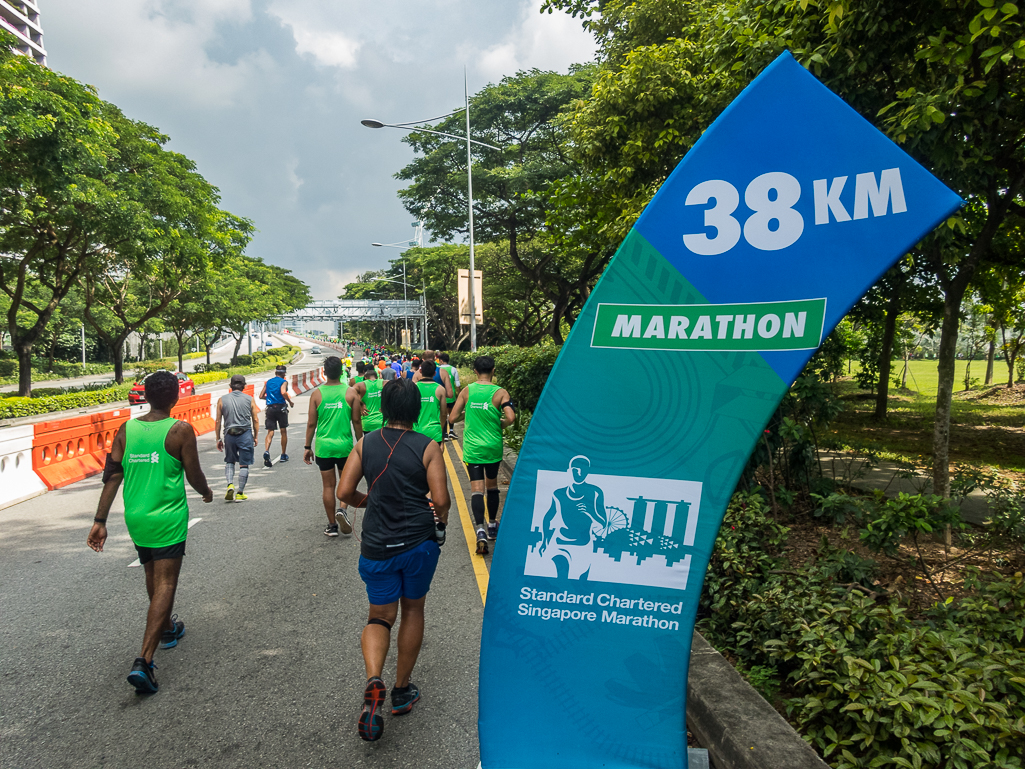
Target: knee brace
477,507
378,621
492,504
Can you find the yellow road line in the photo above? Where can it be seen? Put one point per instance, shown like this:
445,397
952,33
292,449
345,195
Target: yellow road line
480,569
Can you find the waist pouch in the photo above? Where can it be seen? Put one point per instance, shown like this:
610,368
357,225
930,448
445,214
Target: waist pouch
277,407
237,431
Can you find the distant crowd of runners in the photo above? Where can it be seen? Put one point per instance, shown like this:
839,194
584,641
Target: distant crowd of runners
378,417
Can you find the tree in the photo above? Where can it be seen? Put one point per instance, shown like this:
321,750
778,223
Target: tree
1003,289
904,288
61,206
521,114
940,78
181,229
436,269
279,292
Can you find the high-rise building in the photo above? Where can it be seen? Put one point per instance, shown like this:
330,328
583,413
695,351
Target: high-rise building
21,17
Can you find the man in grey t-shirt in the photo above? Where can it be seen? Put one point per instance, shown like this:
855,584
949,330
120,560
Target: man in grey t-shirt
240,418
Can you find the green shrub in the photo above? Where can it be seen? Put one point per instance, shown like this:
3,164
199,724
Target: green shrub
880,690
865,684
8,368
244,360
47,392
523,371
11,408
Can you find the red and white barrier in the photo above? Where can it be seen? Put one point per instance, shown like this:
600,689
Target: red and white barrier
301,383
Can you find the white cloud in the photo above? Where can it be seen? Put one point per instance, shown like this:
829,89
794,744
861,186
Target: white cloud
313,38
545,41
159,45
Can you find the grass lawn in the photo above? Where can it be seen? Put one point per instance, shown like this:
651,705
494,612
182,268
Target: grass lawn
987,424
924,378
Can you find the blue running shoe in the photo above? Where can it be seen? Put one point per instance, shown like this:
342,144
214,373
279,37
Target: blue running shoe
284,457
371,723
170,637
142,677
403,700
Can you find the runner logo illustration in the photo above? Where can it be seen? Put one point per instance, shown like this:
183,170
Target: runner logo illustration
612,528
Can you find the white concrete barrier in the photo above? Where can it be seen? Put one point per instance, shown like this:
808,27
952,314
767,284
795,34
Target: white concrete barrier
17,480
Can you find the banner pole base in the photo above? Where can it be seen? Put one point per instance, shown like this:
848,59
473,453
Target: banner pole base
697,758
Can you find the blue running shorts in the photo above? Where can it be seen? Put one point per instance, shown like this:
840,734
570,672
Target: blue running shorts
407,575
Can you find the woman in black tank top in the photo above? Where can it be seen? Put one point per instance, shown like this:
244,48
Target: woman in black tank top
400,541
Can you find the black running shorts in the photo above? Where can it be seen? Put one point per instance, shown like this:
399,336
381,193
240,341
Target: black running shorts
326,464
277,417
147,554
480,472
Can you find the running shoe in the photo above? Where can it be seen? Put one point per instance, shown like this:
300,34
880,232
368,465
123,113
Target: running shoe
230,494
493,530
403,700
344,524
331,530
169,639
240,497
284,457
482,541
371,724
266,459
142,677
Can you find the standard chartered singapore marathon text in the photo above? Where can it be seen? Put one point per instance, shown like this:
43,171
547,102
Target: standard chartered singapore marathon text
612,608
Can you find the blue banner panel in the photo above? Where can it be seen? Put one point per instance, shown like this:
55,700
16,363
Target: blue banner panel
777,221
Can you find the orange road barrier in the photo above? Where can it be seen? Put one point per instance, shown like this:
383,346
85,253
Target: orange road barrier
67,450
195,409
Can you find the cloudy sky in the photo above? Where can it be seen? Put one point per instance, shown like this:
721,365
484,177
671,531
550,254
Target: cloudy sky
266,96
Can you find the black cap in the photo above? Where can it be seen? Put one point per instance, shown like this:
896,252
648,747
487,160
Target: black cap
238,382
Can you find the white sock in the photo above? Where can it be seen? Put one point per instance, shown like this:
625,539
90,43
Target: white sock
229,472
243,477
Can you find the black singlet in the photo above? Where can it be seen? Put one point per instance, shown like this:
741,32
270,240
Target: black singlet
398,517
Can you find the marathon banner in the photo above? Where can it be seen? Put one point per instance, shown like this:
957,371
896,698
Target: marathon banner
781,217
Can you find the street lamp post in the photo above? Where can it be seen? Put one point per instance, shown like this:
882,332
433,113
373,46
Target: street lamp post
413,126
404,296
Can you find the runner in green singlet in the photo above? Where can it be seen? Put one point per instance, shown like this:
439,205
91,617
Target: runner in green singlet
487,409
360,369
369,392
453,378
151,455
334,419
433,409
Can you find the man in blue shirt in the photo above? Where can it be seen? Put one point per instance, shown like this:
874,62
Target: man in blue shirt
275,393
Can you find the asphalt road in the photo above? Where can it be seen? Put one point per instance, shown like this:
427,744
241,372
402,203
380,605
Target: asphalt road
269,673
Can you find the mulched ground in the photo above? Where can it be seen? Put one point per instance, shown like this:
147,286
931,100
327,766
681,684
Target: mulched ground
998,395
900,575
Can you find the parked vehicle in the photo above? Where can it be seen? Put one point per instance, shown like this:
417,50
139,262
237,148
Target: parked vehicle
185,387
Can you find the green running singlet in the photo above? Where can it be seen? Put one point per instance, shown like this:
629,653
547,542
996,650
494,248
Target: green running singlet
357,379
429,423
375,419
156,509
482,437
451,378
333,437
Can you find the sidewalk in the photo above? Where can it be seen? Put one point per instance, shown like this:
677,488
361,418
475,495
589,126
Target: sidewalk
887,476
